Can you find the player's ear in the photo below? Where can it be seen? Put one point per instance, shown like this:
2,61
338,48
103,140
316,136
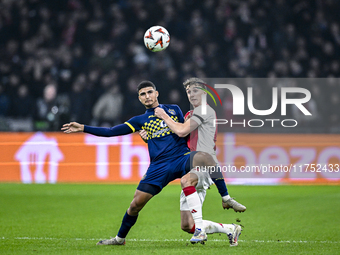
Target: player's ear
139,98
157,94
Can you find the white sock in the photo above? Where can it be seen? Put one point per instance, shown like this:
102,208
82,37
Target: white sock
119,239
213,227
195,207
225,198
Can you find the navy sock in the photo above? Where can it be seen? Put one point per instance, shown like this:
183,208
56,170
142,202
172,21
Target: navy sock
221,186
127,223
218,179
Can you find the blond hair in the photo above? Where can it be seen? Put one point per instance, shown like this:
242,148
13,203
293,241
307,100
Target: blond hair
194,81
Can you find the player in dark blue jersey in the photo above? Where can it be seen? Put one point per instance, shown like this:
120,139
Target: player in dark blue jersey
170,158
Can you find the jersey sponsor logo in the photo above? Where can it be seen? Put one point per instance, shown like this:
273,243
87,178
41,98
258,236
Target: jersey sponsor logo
159,132
163,124
172,111
157,127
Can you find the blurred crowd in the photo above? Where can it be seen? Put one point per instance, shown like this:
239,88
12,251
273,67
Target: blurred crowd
81,60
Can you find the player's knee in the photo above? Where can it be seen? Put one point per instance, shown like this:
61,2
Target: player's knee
204,159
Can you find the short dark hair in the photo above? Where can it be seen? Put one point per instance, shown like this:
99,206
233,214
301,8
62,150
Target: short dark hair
194,81
145,84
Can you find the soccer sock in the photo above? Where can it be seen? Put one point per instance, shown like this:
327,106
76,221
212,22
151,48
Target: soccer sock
221,186
127,223
218,179
119,239
225,198
213,227
194,204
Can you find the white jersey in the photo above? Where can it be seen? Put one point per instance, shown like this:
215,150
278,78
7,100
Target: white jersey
204,137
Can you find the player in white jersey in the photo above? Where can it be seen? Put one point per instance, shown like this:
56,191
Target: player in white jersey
202,138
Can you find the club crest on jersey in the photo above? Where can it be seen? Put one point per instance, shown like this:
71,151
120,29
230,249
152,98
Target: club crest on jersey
172,111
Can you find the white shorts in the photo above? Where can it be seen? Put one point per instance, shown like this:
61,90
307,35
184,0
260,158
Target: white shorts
204,182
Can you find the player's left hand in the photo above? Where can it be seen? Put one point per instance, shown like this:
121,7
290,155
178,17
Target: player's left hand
160,113
144,135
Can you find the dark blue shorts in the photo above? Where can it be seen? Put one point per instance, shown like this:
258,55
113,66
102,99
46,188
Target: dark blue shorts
160,173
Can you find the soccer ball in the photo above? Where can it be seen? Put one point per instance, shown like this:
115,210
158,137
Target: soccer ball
156,38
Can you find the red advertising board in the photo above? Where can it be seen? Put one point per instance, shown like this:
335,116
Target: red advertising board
244,158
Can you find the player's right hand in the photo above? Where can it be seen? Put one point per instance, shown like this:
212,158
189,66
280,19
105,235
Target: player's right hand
160,113
72,127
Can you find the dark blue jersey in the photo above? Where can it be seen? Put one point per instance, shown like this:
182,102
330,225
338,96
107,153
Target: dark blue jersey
169,154
163,143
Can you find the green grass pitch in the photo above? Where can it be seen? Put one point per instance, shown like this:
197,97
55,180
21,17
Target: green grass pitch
71,218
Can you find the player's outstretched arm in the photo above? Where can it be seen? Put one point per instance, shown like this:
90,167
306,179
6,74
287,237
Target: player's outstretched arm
72,127
122,129
180,129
